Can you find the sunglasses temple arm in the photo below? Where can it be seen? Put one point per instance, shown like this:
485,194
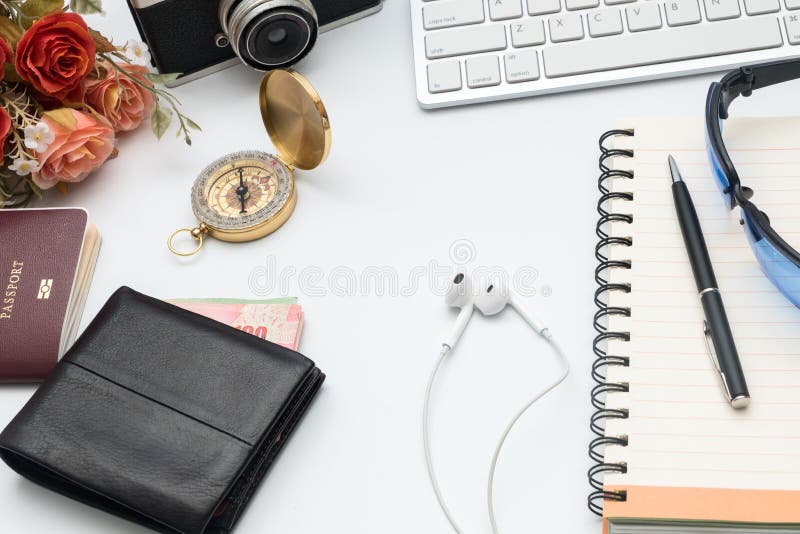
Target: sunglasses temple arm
747,79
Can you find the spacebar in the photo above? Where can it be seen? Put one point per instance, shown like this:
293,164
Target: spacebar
636,50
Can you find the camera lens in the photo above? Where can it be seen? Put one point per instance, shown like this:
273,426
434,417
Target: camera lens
278,39
269,34
277,36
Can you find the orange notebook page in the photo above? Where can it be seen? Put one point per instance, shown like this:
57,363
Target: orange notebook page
687,448
707,504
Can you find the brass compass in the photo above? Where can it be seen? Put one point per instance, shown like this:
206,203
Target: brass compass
248,195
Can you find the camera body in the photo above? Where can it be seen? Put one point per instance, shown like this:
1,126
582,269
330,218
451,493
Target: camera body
198,37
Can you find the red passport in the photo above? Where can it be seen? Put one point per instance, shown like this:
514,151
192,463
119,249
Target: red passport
47,258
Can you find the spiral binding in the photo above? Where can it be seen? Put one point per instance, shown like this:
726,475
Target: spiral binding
603,360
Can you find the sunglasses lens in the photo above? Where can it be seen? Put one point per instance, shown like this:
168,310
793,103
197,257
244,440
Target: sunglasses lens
720,177
783,272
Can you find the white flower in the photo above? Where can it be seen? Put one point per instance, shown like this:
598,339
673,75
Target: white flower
137,52
24,167
38,137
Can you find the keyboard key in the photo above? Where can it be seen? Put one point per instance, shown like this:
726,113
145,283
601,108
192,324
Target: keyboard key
722,9
616,2
467,41
522,66
543,7
444,76
643,17
682,12
447,13
529,33
793,28
505,9
649,48
483,71
792,4
760,7
581,4
567,27
604,22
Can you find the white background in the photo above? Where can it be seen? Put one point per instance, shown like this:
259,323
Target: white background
516,179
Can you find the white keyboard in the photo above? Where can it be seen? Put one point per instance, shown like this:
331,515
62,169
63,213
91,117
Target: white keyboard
469,51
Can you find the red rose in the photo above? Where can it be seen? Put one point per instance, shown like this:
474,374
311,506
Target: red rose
56,54
5,57
5,127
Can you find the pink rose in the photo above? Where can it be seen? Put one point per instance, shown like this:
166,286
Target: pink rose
119,99
82,143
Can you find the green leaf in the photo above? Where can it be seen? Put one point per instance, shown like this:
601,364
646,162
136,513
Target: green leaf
103,44
10,31
35,188
39,8
160,120
86,7
11,73
191,124
162,79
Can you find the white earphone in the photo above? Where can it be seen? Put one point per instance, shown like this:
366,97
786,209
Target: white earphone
490,300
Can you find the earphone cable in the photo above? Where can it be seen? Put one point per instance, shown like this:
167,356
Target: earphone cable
426,441
565,372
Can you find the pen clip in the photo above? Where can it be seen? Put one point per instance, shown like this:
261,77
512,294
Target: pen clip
712,353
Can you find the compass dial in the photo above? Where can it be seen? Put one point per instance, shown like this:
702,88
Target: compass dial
242,191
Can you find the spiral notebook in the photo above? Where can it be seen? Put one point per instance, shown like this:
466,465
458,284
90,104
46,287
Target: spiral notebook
670,454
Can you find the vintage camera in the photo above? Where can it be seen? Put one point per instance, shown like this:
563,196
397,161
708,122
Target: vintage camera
198,37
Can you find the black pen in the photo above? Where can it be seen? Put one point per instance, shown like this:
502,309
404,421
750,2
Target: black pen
716,327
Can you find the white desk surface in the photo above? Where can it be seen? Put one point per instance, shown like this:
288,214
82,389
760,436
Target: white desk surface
515,179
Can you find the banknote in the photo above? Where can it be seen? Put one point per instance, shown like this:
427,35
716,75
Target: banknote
277,320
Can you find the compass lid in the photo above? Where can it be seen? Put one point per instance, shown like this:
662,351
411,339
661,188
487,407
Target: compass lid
295,118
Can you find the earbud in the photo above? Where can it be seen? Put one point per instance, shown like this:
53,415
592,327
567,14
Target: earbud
493,298
459,295
497,296
490,300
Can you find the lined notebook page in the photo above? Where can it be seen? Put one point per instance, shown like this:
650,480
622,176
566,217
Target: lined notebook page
682,432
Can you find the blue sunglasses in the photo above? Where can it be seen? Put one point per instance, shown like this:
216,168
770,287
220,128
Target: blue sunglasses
779,261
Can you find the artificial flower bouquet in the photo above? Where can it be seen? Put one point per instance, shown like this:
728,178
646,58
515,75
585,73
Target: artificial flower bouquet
66,93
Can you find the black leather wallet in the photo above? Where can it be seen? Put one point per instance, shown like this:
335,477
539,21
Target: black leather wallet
161,416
